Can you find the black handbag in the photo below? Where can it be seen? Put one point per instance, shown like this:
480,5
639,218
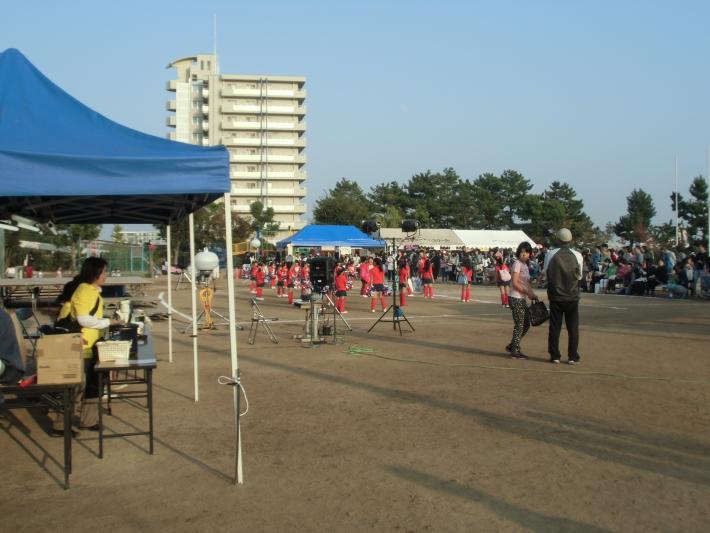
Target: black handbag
70,325
538,313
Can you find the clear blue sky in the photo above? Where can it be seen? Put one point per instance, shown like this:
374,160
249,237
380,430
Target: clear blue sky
599,94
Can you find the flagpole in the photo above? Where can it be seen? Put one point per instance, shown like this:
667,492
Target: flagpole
677,231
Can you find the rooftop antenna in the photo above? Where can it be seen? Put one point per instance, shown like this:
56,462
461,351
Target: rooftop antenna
214,43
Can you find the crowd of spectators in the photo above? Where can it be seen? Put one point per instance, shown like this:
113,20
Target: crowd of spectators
631,270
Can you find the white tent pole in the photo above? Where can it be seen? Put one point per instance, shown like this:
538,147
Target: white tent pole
233,327
193,289
170,295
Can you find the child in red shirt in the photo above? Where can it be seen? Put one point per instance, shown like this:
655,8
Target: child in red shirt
341,284
259,278
403,282
467,273
294,273
377,279
427,271
305,279
503,279
365,269
281,275
272,274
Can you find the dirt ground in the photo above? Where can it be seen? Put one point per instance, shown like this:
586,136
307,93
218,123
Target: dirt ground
437,430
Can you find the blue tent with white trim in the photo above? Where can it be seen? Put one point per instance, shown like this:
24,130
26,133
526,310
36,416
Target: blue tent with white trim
61,161
325,235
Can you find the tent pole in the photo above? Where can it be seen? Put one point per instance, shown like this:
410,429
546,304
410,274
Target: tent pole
170,294
193,289
239,477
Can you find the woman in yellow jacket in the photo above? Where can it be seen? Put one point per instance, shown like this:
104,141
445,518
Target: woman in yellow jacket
83,307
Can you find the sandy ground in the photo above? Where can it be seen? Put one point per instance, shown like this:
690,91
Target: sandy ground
437,430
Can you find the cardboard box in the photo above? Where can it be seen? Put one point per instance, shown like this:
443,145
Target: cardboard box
60,359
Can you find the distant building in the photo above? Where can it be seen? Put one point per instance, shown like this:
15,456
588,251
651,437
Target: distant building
142,237
260,119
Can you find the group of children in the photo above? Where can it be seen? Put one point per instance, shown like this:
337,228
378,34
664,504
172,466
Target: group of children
288,278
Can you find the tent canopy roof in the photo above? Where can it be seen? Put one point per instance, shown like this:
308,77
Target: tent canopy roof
427,237
317,235
64,162
486,239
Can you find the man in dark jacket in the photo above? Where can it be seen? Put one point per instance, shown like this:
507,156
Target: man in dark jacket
563,268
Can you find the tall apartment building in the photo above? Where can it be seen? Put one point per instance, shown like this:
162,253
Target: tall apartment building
260,119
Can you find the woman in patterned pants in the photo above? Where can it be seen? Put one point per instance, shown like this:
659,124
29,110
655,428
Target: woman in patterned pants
520,290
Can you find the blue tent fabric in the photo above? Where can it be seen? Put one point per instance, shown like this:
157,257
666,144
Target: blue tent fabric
325,235
53,147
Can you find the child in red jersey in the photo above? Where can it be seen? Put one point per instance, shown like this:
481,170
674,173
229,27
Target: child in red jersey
467,278
503,279
272,274
252,281
293,279
341,284
281,275
427,271
305,279
403,282
377,279
365,269
259,279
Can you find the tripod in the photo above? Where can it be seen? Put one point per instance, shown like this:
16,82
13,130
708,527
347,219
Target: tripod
204,319
336,314
397,313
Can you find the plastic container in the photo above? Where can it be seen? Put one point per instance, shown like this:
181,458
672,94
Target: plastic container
113,350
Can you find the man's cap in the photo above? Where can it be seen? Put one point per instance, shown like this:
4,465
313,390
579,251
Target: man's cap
564,235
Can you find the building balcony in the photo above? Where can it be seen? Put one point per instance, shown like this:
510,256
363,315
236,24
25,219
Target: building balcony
287,192
242,207
300,208
171,122
231,124
271,190
245,191
230,90
244,158
267,158
269,109
283,158
205,93
293,175
172,136
205,110
231,140
171,105
171,85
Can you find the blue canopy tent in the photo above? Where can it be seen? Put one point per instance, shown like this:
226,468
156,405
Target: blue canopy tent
326,235
62,162
55,153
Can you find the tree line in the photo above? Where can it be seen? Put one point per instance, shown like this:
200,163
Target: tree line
506,201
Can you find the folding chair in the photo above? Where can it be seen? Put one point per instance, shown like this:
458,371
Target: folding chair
257,317
32,333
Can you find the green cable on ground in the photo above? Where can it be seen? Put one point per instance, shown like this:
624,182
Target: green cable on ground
354,349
